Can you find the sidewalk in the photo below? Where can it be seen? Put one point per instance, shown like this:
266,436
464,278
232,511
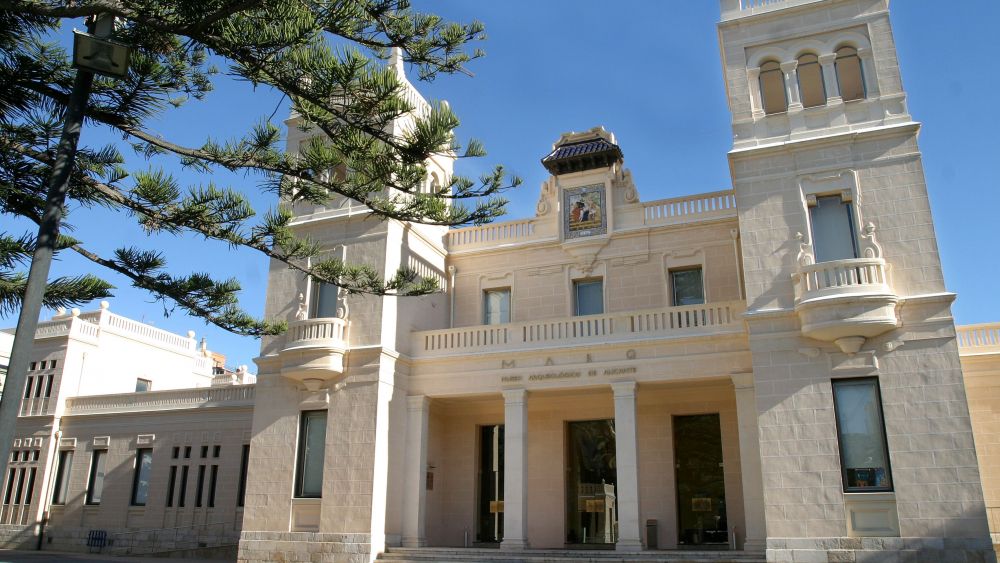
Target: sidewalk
13,556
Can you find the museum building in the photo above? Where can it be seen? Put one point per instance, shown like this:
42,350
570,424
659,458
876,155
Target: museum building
771,369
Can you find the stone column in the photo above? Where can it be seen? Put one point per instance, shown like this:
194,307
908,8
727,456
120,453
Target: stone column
827,62
515,470
627,461
868,71
792,85
415,487
750,468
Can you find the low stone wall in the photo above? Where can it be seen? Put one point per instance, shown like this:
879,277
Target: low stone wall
267,547
18,537
896,550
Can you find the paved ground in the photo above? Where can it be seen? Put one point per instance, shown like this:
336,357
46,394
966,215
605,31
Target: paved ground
7,556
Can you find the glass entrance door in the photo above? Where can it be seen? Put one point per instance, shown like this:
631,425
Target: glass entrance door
490,528
701,489
591,483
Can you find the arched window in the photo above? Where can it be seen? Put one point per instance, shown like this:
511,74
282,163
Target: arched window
849,75
810,76
772,88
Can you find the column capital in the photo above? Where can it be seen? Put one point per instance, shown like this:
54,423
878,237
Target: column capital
514,396
742,380
417,402
789,66
865,53
827,59
754,72
624,388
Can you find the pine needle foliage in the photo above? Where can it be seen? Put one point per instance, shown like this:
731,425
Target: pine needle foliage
328,57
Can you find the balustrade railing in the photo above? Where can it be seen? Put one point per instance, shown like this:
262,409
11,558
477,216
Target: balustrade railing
313,331
979,338
235,395
841,277
670,321
691,208
499,233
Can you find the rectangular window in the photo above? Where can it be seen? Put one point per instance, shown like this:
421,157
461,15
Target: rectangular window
686,287
312,439
140,481
143,385
30,488
212,481
61,488
832,222
187,452
864,457
216,450
52,364
324,300
48,385
201,486
20,485
27,386
182,494
171,482
244,465
95,483
588,297
10,486
496,306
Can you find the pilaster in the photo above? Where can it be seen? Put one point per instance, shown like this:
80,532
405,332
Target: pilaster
515,480
415,491
627,460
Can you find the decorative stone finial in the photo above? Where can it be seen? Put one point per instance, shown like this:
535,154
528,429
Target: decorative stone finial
75,311
191,334
302,313
105,305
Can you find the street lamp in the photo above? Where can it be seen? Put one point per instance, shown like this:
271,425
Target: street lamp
93,53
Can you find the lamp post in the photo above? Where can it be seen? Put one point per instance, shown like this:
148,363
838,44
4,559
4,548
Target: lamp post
93,53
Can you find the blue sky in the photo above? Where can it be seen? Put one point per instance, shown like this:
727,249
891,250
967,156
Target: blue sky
649,72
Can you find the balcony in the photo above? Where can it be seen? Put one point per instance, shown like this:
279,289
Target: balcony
313,354
845,301
670,322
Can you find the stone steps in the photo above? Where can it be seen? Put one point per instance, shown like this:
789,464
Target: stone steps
481,555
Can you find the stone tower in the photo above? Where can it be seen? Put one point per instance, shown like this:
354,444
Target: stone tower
848,314
334,382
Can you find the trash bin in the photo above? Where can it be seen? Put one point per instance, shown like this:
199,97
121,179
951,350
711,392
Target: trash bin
652,535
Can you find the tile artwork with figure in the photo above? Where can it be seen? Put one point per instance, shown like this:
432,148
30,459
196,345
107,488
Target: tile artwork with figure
585,211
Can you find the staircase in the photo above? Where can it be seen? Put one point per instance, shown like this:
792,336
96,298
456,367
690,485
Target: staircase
480,555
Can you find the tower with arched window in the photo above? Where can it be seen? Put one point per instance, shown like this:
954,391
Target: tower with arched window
847,308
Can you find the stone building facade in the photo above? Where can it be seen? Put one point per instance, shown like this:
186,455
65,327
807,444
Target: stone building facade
771,369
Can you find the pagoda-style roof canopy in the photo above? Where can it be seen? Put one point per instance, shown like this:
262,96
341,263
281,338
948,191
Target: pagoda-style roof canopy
576,152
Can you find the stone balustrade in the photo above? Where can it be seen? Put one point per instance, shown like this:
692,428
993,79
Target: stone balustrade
689,209
841,277
689,320
979,339
663,212
310,332
732,9
175,399
845,301
314,350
